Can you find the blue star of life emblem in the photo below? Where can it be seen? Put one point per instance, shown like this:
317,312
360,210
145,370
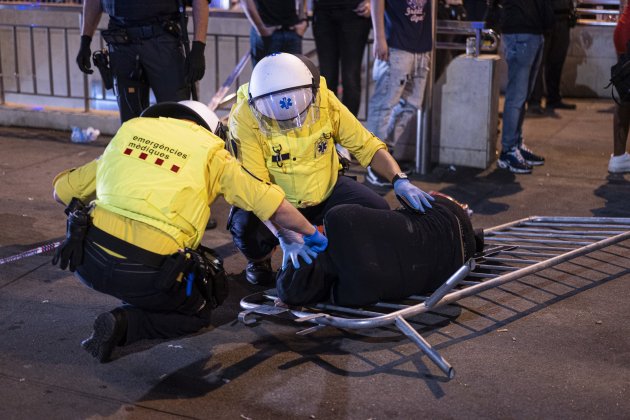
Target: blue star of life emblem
321,147
286,103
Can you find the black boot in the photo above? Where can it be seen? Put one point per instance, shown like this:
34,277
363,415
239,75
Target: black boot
110,330
260,272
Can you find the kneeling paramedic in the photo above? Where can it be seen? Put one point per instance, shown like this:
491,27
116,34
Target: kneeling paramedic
284,128
149,197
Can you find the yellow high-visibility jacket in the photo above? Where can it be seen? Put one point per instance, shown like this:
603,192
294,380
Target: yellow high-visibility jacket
156,179
303,162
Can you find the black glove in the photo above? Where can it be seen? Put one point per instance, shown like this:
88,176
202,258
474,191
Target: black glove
195,62
71,250
74,205
85,55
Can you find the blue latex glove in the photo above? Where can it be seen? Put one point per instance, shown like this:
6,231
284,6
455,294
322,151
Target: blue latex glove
412,195
292,250
316,241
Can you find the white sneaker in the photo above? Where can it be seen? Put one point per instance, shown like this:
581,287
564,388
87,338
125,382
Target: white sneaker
619,164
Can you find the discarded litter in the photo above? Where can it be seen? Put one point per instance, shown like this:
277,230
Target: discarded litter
84,135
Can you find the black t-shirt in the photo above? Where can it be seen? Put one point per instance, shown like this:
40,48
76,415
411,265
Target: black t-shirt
335,4
277,12
408,25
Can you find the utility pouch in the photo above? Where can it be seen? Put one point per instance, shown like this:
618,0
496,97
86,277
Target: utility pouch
171,27
100,58
173,270
116,36
209,275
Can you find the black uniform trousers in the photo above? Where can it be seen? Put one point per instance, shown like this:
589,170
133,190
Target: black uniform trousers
256,241
151,312
340,37
554,54
155,63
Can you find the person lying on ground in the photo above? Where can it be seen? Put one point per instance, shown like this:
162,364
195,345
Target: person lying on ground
379,255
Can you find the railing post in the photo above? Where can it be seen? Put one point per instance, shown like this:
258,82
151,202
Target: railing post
2,99
423,133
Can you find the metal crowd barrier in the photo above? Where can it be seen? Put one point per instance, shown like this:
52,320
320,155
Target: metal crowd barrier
512,251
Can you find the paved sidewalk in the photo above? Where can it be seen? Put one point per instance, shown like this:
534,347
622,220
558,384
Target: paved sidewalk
552,345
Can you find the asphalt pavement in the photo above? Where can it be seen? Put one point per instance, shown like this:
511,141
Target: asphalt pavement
551,345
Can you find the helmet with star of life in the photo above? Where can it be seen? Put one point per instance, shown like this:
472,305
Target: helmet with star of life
283,93
194,111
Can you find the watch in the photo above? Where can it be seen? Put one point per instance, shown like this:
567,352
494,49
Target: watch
399,175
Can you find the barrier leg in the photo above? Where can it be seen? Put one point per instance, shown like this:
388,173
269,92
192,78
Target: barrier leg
424,345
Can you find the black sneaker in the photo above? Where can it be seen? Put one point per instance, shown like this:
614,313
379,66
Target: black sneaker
530,157
212,223
110,329
535,111
375,179
260,272
513,161
561,105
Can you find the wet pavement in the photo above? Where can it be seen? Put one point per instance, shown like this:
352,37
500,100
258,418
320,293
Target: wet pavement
551,345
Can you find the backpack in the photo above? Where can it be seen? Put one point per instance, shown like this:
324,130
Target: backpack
620,78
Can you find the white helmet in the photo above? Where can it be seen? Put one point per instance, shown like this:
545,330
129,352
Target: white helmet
195,111
282,88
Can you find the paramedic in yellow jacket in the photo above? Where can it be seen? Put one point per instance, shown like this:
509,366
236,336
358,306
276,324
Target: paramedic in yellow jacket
139,240
283,128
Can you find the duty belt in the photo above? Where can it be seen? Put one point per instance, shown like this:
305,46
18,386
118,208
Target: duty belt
130,251
135,33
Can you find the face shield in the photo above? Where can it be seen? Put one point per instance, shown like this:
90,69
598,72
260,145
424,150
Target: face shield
283,111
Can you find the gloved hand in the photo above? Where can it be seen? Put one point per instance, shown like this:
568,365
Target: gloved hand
316,241
293,246
411,195
294,249
85,55
71,250
195,62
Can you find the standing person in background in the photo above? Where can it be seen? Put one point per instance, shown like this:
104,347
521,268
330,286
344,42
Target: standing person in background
341,30
277,26
620,159
145,49
403,40
554,53
522,23
476,9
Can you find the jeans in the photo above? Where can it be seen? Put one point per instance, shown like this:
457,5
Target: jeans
255,241
340,37
282,40
398,93
523,53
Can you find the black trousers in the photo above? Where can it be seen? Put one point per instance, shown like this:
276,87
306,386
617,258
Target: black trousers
142,65
255,241
340,37
554,55
151,312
